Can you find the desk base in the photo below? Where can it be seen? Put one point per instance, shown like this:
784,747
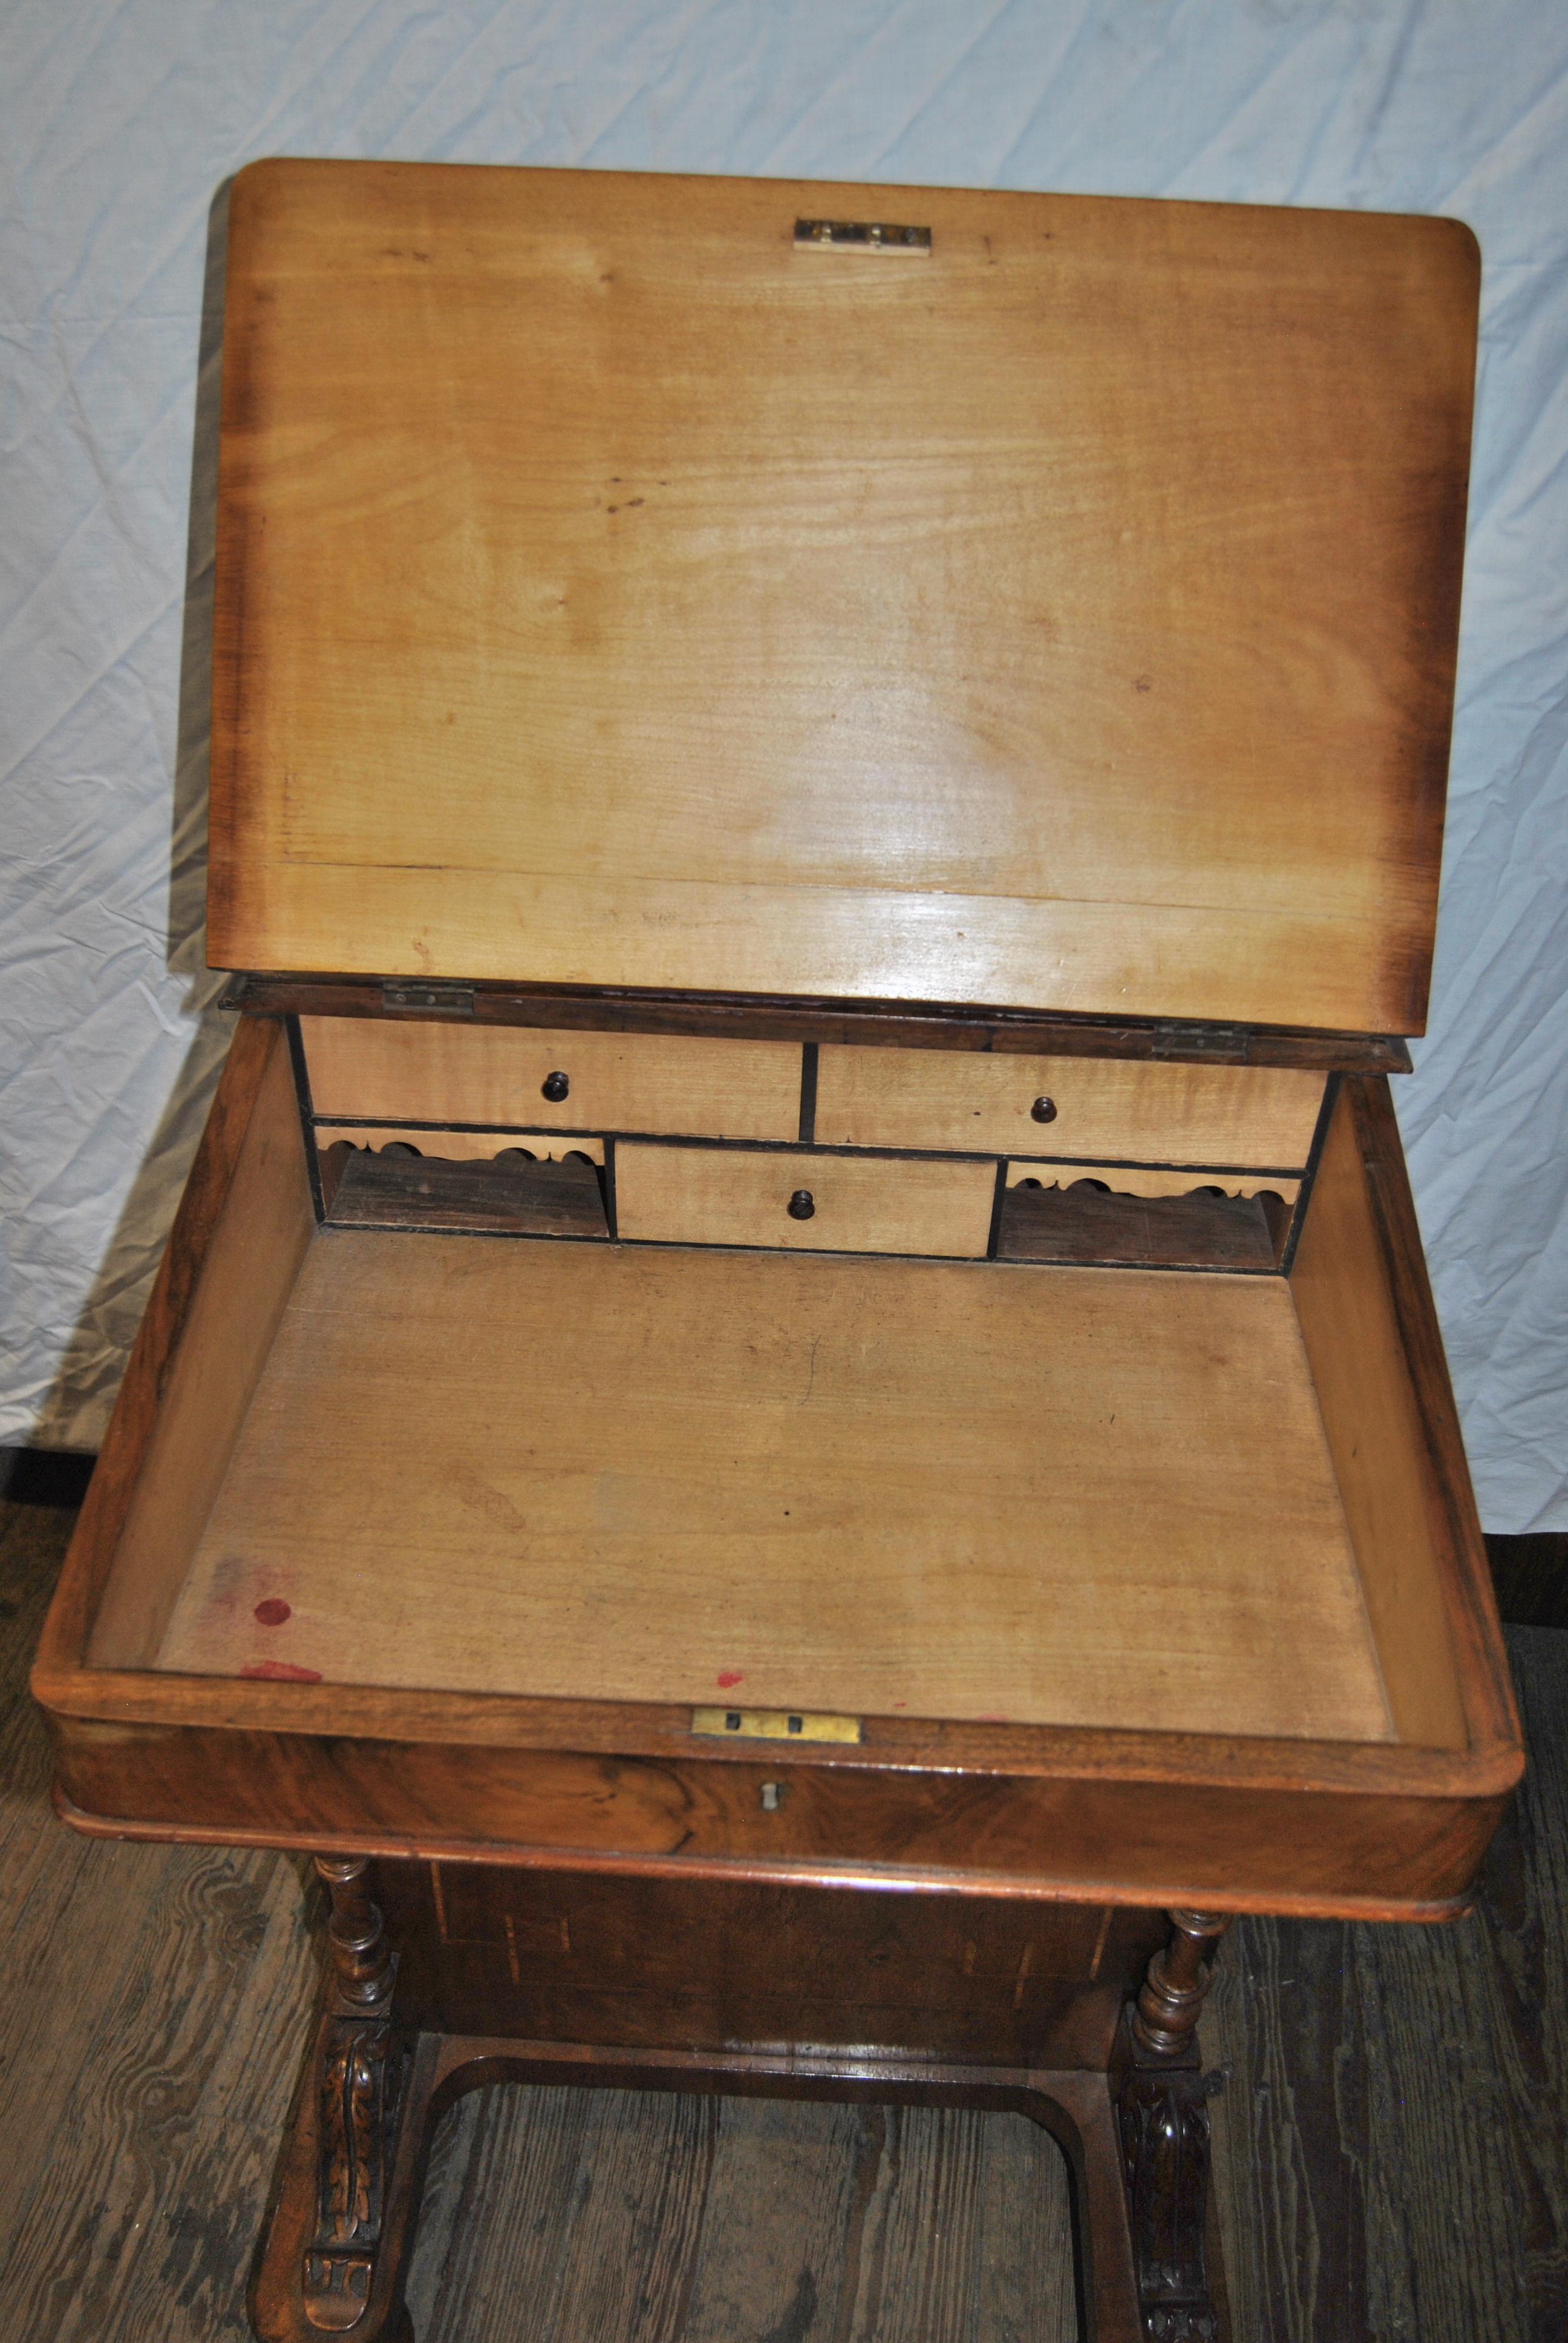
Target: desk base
344,2207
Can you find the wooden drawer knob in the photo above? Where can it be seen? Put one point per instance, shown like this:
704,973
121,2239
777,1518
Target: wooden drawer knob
801,1206
1043,1110
555,1087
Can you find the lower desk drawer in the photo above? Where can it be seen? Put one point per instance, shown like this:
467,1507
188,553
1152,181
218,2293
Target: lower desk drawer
822,1204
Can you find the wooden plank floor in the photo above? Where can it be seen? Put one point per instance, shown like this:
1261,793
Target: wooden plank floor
1392,2141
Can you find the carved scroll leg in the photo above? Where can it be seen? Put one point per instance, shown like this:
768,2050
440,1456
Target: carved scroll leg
360,2091
1163,2118
337,2236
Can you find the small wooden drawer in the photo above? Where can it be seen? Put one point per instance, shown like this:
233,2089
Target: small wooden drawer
1109,1107
513,1076
822,1204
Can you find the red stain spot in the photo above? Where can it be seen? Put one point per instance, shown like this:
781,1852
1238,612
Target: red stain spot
283,1672
728,1676
901,1703
274,1611
990,1716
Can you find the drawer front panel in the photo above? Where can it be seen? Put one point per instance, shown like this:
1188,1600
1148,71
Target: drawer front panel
1375,1854
440,1073
1103,1107
707,1195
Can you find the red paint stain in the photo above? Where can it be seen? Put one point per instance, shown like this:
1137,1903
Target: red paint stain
990,1716
274,1611
728,1676
282,1672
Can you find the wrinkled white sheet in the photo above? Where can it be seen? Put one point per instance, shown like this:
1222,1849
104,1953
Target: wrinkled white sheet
120,118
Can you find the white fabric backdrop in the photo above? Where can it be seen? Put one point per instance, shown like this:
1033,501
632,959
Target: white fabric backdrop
120,118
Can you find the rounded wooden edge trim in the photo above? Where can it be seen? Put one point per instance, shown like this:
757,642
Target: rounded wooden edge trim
154,1701
741,1870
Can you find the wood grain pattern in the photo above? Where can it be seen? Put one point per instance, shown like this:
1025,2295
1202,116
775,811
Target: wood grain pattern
260,1240
634,643
1372,1418
1107,1828
495,1075
725,2221
89,1563
497,1444
692,1195
1105,1110
1458,1550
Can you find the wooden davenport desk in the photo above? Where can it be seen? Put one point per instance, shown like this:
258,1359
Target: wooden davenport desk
794,1394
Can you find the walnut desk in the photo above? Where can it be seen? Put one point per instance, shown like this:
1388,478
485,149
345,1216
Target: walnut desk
793,1416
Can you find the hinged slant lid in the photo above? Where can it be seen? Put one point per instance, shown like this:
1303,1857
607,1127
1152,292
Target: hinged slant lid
621,584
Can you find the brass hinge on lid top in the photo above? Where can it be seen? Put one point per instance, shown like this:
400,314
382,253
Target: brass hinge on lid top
428,999
861,236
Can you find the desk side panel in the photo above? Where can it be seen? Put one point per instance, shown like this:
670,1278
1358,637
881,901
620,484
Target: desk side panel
1364,1307
234,1249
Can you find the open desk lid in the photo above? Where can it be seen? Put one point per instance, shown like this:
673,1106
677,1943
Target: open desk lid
643,581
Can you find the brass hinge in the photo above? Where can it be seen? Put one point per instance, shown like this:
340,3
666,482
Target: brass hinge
1228,1043
428,999
861,236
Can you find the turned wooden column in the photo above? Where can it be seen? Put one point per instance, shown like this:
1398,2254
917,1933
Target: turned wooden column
362,1962
1165,2015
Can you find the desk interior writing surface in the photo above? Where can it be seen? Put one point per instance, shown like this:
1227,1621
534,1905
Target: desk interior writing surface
873,1486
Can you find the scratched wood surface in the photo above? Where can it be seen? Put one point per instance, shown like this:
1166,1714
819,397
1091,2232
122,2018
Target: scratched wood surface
1392,2141
633,1475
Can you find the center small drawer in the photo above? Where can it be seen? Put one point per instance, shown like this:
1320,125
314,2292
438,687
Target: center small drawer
822,1203
1109,1108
